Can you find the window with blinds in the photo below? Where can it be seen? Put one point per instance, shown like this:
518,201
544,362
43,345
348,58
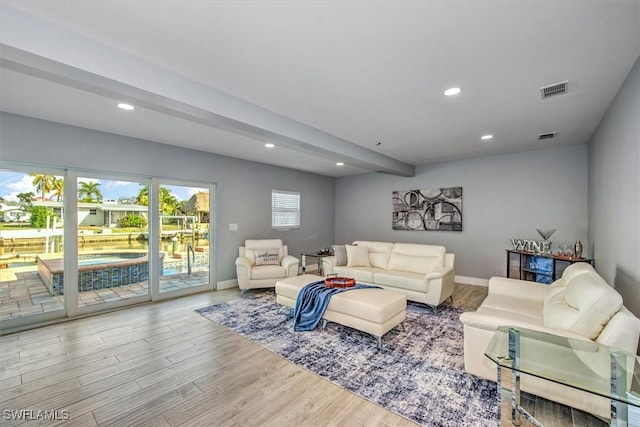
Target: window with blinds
285,210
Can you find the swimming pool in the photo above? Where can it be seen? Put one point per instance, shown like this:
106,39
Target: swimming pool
97,271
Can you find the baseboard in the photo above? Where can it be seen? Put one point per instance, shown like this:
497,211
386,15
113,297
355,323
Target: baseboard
472,281
227,284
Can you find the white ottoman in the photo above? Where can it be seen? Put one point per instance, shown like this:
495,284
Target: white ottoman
374,311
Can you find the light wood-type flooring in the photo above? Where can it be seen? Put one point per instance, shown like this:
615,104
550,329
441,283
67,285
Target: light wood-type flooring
164,365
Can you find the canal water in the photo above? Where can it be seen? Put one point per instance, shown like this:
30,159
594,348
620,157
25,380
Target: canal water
166,246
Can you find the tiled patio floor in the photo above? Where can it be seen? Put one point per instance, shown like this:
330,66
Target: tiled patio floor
27,294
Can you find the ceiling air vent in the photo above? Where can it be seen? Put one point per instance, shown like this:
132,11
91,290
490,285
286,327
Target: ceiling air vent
555,89
548,135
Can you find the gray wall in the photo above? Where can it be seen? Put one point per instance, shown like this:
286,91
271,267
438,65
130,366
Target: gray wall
614,192
503,197
243,187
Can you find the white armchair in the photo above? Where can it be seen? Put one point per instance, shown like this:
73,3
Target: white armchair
261,263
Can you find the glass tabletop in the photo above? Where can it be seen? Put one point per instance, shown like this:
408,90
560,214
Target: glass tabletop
581,364
317,254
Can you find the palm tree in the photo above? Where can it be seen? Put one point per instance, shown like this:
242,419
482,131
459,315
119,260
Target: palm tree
43,183
168,202
88,190
169,205
58,188
143,195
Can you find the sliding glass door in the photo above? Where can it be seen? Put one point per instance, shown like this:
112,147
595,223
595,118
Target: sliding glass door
185,238
31,245
112,241
78,242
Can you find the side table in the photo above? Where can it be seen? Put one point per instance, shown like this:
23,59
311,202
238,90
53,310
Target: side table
316,255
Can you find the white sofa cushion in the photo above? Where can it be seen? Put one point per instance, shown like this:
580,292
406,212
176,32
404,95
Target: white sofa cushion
416,258
401,279
268,272
357,256
553,289
522,289
361,274
573,271
378,252
507,303
583,307
412,263
491,318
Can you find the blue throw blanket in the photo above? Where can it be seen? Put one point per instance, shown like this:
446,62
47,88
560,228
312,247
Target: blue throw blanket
312,302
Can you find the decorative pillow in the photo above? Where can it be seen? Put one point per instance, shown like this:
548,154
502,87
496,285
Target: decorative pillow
341,254
357,256
267,256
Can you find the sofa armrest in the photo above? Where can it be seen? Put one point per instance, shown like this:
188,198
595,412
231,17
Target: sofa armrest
438,272
289,261
521,289
243,267
439,285
243,262
328,264
291,265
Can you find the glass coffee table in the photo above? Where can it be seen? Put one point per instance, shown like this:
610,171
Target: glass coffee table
603,371
313,255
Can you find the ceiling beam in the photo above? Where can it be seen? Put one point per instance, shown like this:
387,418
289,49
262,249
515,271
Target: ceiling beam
99,69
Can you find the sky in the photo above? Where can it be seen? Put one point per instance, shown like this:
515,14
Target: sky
14,183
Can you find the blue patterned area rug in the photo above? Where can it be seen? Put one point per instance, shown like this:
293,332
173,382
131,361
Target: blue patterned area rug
418,373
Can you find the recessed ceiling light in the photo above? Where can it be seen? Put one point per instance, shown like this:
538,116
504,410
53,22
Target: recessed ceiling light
340,164
452,91
486,137
269,145
127,107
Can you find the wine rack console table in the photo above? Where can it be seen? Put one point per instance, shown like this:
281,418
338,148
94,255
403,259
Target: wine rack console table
542,268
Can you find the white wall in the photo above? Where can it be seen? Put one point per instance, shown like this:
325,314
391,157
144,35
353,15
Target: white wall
614,192
243,187
503,197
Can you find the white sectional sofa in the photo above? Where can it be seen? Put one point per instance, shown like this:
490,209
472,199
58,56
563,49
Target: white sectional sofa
424,273
579,305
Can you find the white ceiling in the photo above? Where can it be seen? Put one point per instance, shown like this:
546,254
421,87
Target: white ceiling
325,81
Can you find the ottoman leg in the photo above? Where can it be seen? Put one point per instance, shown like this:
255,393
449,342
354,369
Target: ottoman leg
324,324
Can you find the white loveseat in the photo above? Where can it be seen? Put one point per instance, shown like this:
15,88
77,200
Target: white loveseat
579,305
424,273
251,275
